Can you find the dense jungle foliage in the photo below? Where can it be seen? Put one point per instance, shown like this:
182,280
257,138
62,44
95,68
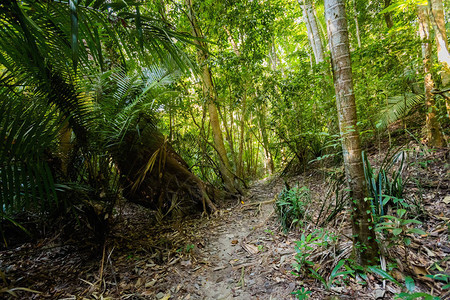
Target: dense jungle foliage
179,106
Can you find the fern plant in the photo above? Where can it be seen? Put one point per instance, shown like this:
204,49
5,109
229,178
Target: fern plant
397,108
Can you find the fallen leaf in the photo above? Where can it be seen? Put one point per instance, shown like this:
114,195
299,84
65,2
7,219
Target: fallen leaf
421,272
185,263
252,249
398,275
447,199
429,252
379,294
166,297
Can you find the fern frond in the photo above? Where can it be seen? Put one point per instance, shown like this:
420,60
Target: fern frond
397,108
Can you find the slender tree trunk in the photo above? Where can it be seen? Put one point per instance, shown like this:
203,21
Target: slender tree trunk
210,94
273,55
65,146
240,164
434,135
314,37
364,244
249,153
387,16
438,21
228,133
358,35
265,141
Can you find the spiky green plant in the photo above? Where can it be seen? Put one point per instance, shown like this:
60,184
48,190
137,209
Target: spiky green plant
387,181
291,206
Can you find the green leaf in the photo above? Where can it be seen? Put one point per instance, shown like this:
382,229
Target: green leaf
406,222
318,277
390,8
417,231
401,212
383,274
139,27
397,231
336,269
409,282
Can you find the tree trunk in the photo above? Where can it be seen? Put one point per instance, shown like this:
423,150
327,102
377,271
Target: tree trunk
240,163
270,168
210,94
434,135
387,16
365,247
314,37
65,146
358,35
228,133
438,21
153,174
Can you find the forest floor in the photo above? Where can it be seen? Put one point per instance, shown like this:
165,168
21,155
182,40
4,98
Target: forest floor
238,253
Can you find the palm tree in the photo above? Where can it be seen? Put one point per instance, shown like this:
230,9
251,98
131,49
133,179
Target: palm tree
364,243
48,52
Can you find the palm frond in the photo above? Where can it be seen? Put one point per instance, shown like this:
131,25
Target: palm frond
27,128
397,108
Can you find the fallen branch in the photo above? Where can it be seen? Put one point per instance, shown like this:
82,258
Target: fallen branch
259,203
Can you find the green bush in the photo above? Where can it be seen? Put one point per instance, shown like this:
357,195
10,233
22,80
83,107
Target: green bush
291,206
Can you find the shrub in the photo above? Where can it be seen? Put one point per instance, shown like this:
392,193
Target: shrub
291,206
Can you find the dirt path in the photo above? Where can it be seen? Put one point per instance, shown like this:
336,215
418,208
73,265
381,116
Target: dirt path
244,261
242,258
237,254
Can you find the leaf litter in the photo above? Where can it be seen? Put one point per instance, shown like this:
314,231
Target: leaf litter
239,253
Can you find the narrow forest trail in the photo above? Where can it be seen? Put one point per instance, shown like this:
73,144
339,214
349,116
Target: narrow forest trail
243,256
246,261
238,253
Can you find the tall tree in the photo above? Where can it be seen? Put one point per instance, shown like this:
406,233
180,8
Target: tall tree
434,135
358,35
364,243
387,15
240,161
211,96
314,37
438,22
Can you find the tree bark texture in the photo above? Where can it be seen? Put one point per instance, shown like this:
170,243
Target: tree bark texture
438,21
240,162
364,243
312,27
154,175
434,135
210,94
